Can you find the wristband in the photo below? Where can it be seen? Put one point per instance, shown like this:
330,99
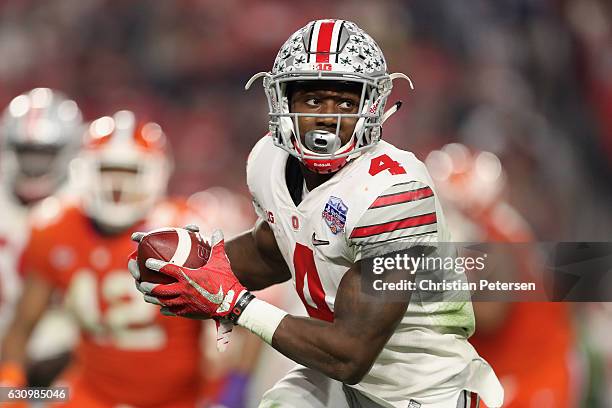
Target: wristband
261,318
244,299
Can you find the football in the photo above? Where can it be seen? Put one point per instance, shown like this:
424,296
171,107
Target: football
180,246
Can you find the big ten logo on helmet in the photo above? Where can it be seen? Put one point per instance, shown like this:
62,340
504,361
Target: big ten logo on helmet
323,67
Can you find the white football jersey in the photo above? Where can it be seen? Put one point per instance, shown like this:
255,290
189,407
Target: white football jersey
13,237
381,202
55,332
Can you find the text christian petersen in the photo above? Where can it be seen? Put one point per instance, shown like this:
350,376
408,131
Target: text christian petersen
459,265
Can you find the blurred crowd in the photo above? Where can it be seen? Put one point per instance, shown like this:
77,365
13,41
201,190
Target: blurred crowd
528,80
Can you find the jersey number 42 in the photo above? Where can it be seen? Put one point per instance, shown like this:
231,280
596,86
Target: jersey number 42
111,310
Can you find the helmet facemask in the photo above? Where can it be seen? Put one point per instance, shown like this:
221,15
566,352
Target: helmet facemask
286,132
38,171
123,195
41,132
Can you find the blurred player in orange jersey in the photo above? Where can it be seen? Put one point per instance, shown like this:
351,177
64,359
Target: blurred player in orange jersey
530,344
40,132
79,246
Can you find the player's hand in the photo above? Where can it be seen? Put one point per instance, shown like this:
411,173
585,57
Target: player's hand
207,292
132,262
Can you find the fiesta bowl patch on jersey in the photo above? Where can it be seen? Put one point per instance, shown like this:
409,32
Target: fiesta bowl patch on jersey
334,214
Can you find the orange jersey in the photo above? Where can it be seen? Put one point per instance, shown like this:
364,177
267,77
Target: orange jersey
128,352
531,351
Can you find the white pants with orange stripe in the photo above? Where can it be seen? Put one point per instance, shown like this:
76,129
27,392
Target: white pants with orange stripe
308,388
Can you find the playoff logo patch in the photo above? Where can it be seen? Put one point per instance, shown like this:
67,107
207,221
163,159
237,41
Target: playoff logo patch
334,214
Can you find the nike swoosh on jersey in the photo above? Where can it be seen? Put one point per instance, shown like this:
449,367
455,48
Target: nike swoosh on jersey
216,299
316,241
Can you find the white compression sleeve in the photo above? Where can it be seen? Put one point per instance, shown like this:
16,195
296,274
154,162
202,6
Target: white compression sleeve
261,318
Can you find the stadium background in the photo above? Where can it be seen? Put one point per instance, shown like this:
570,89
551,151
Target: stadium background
526,79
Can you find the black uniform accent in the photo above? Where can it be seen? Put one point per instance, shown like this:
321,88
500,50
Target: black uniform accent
294,179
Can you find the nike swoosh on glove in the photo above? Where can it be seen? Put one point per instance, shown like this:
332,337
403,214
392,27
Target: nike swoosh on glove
210,291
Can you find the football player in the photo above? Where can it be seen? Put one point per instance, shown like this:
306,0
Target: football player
78,246
40,133
473,185
330,194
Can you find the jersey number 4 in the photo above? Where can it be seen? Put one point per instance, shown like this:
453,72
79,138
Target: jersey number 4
384,162
306,271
